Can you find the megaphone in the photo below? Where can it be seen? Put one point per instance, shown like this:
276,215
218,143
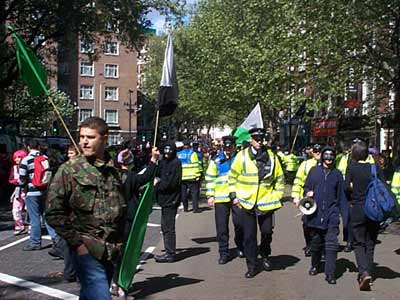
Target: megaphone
307,206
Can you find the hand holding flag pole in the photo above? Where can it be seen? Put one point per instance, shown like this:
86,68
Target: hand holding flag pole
34,76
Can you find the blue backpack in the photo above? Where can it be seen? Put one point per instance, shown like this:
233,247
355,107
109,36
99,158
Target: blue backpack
379,202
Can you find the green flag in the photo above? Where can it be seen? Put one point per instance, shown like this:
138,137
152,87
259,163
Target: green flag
31,70
133,247
242,135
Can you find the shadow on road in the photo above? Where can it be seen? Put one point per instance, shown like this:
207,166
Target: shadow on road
205,240
397,251
385,273
343,265
155,285
193,251
281,262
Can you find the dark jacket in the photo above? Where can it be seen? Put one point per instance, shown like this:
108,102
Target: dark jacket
327,186
168,189
131,186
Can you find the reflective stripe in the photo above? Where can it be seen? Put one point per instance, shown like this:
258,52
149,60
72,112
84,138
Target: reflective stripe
234,172
269,203
245,201
209,181
279,189
221,181
247,183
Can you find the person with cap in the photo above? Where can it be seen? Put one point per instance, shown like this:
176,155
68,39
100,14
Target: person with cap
191,175
256,185
217,193
297,189
325,184
167,187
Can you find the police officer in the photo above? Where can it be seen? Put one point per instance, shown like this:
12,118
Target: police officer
297,189
256,185
218,196
396,184
191,174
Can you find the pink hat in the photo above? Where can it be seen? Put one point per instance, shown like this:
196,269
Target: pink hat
19,154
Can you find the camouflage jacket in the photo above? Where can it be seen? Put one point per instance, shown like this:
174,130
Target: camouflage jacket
85,206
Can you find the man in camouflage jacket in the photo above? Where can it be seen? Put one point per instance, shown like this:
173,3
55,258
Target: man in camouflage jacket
85,205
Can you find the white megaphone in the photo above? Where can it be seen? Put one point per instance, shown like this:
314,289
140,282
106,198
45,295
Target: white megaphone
307,206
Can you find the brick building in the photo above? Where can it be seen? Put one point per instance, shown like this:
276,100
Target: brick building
101,79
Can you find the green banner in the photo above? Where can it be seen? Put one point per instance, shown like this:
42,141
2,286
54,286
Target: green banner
133,247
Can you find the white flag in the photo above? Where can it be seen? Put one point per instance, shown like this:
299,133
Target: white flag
254,119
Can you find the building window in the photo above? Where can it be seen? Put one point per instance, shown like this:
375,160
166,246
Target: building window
112,27
84,114
111,116
86,92
114,139
111,71
111,48
86,47
111,93
87,69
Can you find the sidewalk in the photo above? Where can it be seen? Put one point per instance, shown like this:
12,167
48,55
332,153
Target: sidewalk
197,276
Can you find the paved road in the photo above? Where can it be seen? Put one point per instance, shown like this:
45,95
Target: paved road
31,269
197,276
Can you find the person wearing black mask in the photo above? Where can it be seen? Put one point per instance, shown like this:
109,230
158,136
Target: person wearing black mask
324,184
167,187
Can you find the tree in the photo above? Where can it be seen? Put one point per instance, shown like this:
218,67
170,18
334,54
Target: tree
43,23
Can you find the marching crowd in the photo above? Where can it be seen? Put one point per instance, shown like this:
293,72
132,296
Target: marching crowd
89,203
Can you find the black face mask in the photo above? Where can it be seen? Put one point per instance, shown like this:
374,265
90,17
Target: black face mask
168,152
328,155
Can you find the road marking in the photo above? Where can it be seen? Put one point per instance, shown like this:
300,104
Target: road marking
153,225
37,287
156,207
14,243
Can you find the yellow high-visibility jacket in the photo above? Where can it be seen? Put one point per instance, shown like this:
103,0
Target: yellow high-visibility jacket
217,178
301,175
190,164
250,191
291,162
396,184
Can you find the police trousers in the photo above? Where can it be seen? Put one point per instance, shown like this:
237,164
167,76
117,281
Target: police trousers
222,213
194,190
266,225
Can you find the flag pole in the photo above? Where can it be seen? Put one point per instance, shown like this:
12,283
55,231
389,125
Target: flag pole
43,86
295,138
156,128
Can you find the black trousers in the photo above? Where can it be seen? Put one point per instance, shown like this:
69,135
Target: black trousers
306,232
222,213
168,215
348,230
328,239
194,189
365,234
249,221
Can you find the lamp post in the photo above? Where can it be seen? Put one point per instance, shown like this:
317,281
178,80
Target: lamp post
130,108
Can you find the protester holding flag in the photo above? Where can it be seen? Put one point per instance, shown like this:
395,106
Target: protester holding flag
87,208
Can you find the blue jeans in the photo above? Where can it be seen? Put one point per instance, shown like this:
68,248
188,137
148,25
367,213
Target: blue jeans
35,206
94,276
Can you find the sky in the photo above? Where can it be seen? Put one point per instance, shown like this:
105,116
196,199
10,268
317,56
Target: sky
158,21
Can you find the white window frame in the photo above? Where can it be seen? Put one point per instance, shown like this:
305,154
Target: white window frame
106,75
84,44
106,48
116,98
106,116
91,67
85,110
83,86
114,139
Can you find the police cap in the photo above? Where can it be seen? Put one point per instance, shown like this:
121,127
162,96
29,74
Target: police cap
186,142
257,132
228,141
317,148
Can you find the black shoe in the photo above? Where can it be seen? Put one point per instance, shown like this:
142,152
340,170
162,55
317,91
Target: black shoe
250,274
185,209
165,258
30,247
240,253
348,248
307,252
266,263
223,260
196,211
330,279
56,252
313,271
